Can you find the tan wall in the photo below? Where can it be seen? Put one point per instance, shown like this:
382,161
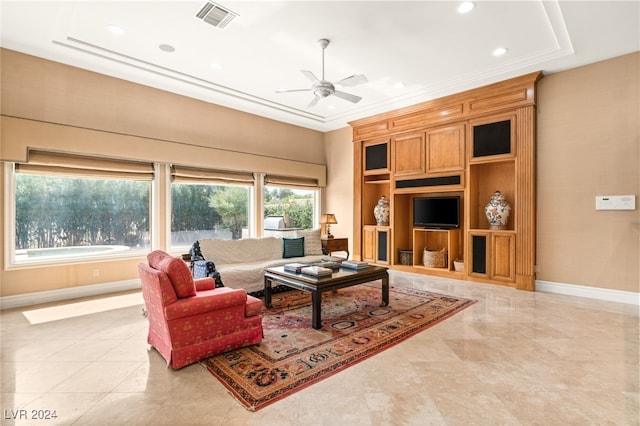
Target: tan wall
52,106
339,152
588,145
37,89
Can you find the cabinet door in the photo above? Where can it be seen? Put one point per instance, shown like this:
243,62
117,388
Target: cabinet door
369,243
408,154
383,242
479,251
375,157
492,138
503,262
445,149
493,255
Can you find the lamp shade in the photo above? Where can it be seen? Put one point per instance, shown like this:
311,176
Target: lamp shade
328,219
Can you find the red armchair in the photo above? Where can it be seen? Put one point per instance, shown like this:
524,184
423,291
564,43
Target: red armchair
189,319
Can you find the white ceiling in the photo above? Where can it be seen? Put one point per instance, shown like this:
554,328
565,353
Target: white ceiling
427,45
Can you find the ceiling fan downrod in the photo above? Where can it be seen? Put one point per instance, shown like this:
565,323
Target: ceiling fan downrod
323,42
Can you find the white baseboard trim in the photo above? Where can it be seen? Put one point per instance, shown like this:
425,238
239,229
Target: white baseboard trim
619,296
27,299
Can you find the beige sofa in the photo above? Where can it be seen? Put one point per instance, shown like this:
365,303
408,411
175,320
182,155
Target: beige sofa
241,263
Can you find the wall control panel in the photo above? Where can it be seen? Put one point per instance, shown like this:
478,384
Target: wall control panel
615,202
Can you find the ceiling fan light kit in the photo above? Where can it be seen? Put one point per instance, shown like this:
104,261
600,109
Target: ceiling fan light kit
322,88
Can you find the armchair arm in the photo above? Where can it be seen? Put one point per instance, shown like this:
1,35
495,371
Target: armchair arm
203,284
213,300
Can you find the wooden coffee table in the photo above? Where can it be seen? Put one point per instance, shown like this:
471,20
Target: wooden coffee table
339,279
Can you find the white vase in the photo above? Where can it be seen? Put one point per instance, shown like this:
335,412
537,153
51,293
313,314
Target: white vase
381,211
497,211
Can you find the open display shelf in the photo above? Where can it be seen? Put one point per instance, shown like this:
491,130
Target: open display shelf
436,240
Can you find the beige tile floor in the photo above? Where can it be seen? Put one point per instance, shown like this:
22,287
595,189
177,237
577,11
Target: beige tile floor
514,358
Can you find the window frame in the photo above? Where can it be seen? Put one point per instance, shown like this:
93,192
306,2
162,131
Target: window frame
317,190
214,182
10,261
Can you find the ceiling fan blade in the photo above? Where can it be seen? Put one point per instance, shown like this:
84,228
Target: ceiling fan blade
292,90
310,76
353,80
347,96
314,101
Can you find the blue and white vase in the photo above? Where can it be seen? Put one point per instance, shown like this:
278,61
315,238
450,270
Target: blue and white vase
497,211
381,211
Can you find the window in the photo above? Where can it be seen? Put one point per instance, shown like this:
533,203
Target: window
209,204
293,199
69,208
65,208
294,205
200,211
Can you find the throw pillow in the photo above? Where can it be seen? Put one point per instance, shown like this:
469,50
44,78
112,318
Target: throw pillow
312,244
293,247
180,276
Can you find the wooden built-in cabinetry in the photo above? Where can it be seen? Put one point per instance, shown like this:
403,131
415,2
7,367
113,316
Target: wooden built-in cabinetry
469,145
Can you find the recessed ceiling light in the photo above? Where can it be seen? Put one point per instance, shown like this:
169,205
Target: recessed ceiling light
167,48
398,85
215,66
114,29
466,7
500,51
331,107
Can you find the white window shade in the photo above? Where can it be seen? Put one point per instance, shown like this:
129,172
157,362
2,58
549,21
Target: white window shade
291,182
72,165
182,174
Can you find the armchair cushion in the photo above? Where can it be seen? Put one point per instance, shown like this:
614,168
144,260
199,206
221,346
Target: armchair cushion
206,301
177,270
253,307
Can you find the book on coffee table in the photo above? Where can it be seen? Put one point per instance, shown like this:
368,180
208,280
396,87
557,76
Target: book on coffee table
316,271
355,264
327,264
335,259
296,268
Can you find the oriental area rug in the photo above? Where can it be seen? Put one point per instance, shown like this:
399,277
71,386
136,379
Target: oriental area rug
293,355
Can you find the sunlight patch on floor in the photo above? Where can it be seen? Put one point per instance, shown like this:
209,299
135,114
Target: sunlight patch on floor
76,309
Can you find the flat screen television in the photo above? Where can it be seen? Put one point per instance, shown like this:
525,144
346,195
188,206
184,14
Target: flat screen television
436,212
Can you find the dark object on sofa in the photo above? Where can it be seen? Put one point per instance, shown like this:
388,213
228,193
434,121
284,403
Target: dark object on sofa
203,268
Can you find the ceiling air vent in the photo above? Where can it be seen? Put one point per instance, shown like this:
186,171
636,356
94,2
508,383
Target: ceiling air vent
216,15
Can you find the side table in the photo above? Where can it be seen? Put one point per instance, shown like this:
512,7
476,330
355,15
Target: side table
330,245
186,257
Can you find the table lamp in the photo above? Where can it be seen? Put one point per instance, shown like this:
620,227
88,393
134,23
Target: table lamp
328,219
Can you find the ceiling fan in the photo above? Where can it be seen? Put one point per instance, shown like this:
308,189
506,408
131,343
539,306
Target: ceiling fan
322,88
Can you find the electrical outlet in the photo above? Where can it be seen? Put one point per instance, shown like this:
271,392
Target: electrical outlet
96,272
615,202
